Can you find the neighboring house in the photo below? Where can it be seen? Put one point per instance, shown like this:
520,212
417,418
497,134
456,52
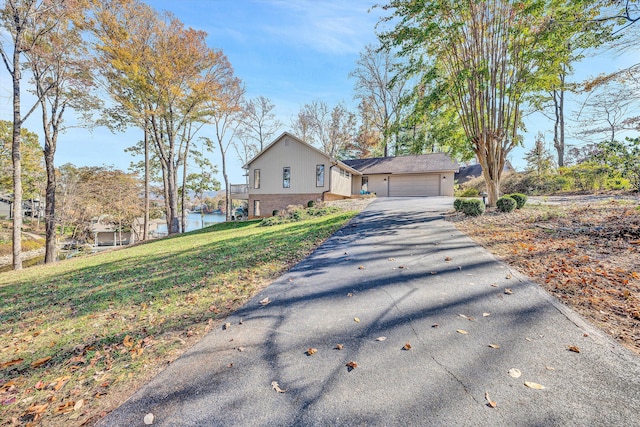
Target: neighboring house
467,173
291,172
421,175
6,207
108,235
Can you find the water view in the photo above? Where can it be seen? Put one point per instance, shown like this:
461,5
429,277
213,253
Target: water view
195,221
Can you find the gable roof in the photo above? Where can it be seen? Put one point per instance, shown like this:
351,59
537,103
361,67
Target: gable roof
435,162
467,173
298,140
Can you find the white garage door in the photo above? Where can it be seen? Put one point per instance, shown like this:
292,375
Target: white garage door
414,185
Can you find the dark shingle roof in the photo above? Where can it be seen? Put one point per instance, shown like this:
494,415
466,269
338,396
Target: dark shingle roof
436,162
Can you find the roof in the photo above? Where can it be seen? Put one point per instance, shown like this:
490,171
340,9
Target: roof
295,138
435,162
467,173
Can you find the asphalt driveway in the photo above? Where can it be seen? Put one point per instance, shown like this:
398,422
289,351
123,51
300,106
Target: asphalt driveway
398,274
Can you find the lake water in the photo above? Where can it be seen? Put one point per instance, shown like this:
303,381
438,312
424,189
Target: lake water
194,222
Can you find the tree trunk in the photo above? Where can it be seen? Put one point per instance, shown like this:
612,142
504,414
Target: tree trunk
50,203
17,164
145,229
558,127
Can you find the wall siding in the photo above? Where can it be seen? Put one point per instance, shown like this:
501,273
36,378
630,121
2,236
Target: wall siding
302,162
341,185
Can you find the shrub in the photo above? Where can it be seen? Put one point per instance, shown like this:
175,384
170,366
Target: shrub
311,204
506,204
473,207
275,212
469,192
521,199
457,204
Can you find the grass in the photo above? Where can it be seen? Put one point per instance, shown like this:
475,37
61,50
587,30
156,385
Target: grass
77,337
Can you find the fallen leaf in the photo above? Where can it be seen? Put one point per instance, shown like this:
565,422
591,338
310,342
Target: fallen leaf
36,409
508,291
351,366
508,276
401,266
447,259
486,314
407,346
490,403
381,338
128,342
533,385
550,368
10,363
40,362
339,347
494,346
515,373
65,408
148,419
392,259
349,294
240,348
226,326
265,301
230,365
493,285
361,267
573,348
462,331
435,325
355,319
276,387
311,351
434,272
528,339
78,405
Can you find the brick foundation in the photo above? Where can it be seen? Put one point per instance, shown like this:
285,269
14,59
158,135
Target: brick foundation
271,202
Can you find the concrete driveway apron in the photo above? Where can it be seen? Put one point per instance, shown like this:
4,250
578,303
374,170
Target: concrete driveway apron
398,274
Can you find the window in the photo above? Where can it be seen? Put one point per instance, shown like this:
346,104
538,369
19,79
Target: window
319,175
286,177
256,208
256,178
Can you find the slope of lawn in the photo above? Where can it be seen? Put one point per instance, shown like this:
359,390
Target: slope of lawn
78,337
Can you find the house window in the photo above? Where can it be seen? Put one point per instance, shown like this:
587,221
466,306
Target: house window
286,177
319,175
256,208
256,178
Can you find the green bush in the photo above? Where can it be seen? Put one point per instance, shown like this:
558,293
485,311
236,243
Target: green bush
457,204
311,204
469,192
506,204
521,199
473,207
275,212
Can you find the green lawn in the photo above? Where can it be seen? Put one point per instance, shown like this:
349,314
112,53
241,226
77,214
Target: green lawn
79,335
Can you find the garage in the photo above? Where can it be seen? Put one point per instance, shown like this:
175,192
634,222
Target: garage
415,185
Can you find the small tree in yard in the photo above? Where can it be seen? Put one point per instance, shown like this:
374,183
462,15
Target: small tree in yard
623,158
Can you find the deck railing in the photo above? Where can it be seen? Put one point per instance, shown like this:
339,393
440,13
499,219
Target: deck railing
239,189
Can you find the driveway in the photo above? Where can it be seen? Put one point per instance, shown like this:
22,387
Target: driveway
398,274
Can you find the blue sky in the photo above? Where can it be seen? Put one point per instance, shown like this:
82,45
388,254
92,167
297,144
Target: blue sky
291,51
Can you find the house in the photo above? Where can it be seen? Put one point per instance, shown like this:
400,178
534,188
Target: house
467,173
108,234
291,172
406,176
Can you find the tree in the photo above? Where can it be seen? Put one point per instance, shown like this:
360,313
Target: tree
202,181
539,160
31,159
62,79
225,113
21,19
169,72
623,158
480,58
376,89
259,122
332,130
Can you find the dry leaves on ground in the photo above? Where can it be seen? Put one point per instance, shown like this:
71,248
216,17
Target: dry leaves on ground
584,251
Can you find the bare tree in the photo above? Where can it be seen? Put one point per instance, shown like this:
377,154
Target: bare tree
332,130
382,94
22,20
259,123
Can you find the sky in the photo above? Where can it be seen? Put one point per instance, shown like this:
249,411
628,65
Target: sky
290,51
